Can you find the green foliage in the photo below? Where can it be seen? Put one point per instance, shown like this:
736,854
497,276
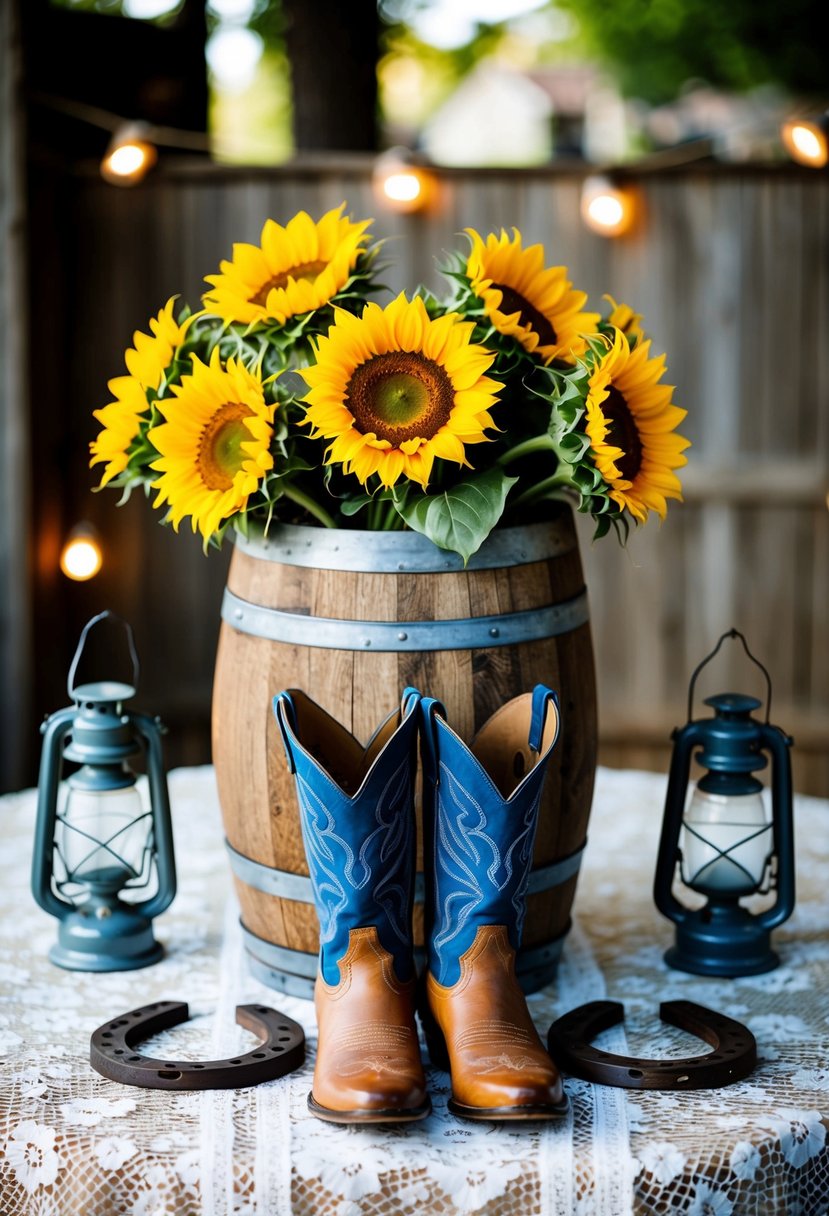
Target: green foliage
653,48
459,519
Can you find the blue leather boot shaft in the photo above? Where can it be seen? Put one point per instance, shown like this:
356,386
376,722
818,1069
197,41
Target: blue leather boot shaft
360,847
478,844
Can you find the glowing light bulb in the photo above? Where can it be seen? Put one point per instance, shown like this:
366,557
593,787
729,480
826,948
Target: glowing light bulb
127,160
129,157
806,142
81,557
401,185
607,208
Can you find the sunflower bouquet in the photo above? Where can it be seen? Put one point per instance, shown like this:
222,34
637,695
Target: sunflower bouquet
293,396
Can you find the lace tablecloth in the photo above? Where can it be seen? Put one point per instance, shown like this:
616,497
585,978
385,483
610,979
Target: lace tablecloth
73,1143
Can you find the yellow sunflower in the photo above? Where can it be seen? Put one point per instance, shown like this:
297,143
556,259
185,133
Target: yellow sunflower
631,423
623,317
214,444
295,269
146,363
522,297
394,389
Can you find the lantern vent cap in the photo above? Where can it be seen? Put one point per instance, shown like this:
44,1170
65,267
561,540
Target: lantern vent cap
735,704
104,692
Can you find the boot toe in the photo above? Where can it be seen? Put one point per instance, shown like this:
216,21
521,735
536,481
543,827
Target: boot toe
376,1099
385,1093
529,1092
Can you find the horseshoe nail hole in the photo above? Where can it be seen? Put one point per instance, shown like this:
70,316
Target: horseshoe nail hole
120,1022
277,1049
635,1072
234,1061
282,1028
731,1051
197,1066
118,1051
136,1013
283,1038
106,1034
169,1074
259,1055
132,1059
262,1009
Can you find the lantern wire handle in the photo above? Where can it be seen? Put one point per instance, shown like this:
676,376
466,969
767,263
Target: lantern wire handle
103,616
732,633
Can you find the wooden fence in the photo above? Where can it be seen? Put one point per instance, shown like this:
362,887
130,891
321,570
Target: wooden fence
728,266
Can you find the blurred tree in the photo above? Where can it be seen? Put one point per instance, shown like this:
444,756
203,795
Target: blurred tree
653,48
333,47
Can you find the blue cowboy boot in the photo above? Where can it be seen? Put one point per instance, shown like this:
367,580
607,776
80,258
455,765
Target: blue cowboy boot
357,814
480,811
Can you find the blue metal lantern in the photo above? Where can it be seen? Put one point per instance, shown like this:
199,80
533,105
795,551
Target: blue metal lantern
722,840
99,833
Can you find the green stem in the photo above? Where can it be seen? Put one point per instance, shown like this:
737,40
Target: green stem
538,443
313,508
541,488
392,522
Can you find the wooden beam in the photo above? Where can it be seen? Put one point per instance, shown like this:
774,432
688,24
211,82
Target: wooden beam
761,482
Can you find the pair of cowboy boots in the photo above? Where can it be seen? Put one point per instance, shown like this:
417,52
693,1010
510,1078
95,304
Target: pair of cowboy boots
480,810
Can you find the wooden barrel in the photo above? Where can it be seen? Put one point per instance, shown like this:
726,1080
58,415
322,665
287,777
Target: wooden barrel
352,618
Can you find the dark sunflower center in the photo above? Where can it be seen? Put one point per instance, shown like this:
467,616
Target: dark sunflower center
513,301
220,455
400,395
303,270
623,433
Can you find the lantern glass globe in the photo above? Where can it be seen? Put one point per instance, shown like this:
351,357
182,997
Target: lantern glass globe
726,843
102,835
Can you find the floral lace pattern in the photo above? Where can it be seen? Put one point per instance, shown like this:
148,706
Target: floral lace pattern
71,1141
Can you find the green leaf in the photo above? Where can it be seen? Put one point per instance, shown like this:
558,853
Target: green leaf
350,506
459,519
602,527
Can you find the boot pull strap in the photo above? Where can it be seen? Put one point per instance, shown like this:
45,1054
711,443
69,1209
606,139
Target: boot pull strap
430,708
285,714
409,701
542,696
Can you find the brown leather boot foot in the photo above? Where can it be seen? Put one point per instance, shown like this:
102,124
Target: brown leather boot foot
481,1031
368,1066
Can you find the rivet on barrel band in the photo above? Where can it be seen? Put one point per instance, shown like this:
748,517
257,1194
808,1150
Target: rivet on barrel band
471,633
287,885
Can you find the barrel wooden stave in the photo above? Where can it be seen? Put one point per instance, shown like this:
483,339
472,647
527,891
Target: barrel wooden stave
360,688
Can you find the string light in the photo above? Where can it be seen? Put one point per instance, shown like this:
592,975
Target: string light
805,140
401,183
82,557
130,155
607,207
